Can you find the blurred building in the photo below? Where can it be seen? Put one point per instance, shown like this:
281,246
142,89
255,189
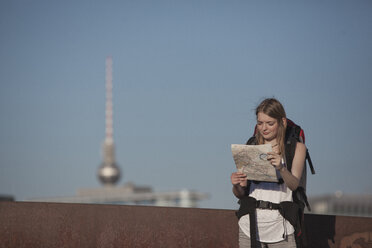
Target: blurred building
342,204
130,194
6,198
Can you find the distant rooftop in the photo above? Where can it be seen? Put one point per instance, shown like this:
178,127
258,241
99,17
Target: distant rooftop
130,194
342,204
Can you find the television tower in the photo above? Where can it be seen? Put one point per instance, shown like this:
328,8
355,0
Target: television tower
109,172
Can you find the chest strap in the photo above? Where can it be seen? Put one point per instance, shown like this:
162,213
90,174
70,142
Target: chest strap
267,205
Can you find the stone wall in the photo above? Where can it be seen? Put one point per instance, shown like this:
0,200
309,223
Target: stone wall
57,225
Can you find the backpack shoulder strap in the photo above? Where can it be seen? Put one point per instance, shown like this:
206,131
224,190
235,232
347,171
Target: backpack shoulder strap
290,149
252,141
293,131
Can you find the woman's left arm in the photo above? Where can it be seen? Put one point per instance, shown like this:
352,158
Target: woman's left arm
292,178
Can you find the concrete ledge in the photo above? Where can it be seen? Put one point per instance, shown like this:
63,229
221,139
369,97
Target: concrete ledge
26,224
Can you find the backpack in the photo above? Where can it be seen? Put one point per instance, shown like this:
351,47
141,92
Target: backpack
294,134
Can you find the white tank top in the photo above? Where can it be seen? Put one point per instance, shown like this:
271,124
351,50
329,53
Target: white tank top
272,227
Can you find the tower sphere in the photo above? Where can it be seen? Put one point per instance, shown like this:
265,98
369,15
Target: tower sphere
108,174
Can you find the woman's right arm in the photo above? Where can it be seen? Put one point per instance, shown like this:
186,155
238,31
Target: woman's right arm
239,182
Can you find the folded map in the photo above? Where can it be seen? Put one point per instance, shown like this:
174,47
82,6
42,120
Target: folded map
252,160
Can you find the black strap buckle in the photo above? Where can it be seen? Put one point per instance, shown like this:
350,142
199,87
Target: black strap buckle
266,205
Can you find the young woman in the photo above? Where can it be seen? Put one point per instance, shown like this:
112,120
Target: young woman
272,229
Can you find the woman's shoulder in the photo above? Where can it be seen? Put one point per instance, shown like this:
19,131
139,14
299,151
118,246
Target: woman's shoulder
300,147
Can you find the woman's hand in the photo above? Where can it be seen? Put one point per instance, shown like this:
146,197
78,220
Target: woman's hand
239,178
275,160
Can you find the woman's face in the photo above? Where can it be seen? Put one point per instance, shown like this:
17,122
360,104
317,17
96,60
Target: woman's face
267,126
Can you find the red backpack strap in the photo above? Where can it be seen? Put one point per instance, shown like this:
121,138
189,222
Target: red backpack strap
302,135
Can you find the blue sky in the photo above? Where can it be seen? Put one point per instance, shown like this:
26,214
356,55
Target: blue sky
187,76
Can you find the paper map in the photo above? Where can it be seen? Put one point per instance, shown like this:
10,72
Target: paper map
252,160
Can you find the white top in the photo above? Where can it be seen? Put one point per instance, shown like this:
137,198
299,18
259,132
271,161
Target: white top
272,227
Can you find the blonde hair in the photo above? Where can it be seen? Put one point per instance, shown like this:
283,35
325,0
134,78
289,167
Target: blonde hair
274,109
